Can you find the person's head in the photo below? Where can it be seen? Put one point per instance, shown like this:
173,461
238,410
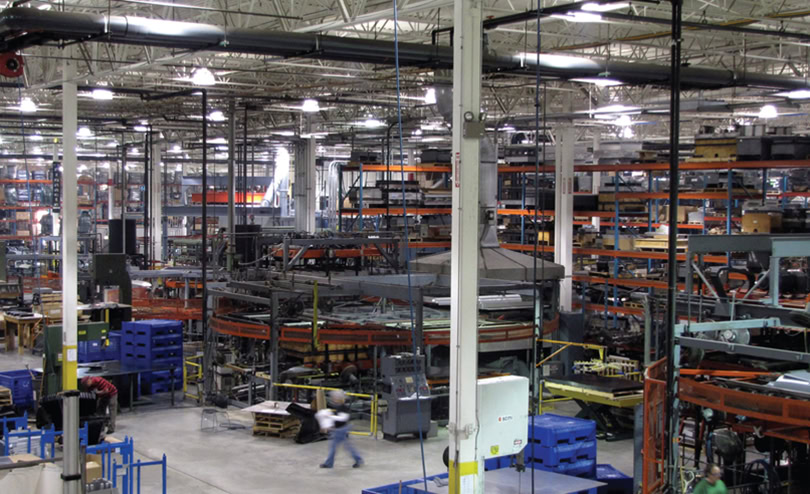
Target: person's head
85,383
713,473
337,396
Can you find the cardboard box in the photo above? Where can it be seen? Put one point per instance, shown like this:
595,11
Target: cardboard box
23,215
761,222
92,471
683,213
626,242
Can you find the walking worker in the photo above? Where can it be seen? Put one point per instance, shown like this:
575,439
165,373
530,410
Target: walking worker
339,429
711,482
106,397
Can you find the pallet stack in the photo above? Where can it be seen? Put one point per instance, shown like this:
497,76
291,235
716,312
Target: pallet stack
151,344
5,397
266,424
50,306
565,445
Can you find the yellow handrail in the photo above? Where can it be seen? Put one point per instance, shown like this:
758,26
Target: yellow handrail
196,376
372,432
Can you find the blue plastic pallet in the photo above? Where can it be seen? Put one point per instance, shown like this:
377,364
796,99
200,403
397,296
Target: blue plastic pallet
617,482
151,327
582,468
562,453
551,430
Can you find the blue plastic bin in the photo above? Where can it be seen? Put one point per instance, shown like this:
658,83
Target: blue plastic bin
19,382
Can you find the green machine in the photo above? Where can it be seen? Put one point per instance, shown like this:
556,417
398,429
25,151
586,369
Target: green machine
88,334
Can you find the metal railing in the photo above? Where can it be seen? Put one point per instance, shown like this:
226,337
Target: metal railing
193,377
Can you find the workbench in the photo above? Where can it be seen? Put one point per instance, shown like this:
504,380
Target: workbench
115,368
596,396
27,328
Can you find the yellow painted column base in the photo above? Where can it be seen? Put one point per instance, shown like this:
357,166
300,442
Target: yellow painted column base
457,472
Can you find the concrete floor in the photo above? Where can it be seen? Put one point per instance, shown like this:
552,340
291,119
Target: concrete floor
236,462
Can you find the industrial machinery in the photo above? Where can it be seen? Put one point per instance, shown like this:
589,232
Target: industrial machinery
405,389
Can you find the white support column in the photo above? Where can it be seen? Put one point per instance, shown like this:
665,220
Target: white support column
305,185
466,465
564,210
156,204
70,227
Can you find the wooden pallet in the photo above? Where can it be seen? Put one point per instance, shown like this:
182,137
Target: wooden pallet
288,433
5,397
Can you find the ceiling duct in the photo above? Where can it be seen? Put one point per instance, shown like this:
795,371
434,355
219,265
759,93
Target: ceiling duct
23,27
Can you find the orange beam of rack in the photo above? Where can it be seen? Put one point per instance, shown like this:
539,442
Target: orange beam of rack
630,282
614,253
599,214
791,194
222,197
642,224
396,211
611,309
425,168
524,169
15,181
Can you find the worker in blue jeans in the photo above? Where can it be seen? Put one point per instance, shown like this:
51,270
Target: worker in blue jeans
339,430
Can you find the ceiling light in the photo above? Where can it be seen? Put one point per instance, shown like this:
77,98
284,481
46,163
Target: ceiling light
372,123
84,132
310,106
102,94
176,148
283,133
27,105
217,140
627,133
203,77
623,121
616,109
35,137
796,94
579,17
768,111
604,7
598,81
216,116
416,132
430,96
140,128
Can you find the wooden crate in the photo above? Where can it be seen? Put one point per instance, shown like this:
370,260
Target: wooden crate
5,396
658,244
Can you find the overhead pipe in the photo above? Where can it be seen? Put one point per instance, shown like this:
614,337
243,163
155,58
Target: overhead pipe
24,27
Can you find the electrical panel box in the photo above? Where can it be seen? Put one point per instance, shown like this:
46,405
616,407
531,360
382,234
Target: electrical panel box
503,415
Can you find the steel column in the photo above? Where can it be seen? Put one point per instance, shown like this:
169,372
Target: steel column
564,211
466,469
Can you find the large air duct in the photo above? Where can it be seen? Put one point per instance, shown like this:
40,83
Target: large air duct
23,27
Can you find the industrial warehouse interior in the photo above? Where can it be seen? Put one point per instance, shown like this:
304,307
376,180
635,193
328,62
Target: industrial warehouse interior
406,246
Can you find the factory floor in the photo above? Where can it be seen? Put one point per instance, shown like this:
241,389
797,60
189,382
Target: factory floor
236,462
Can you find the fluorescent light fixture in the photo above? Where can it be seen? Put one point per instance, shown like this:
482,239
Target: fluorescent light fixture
203,77
217,140
372,123
84,132
796,94
283,133
616,109
508,128
416,133
45,6
579,17
627,133
623,121
27,105
35,137
434,139
768,111
140,128
102,94
176,148
598,81
604,7
216,116
430,96
310,106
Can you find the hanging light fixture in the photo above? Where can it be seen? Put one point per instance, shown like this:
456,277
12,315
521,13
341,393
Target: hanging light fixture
27,105
102,94
430,96
203,77
768,111
216,116
310,106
